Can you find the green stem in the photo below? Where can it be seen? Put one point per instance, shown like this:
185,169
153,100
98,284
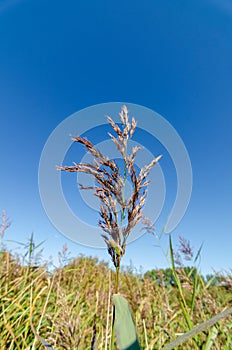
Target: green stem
112,331
117,279
116,292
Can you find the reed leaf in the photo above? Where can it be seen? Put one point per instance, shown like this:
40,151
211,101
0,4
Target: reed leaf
126,335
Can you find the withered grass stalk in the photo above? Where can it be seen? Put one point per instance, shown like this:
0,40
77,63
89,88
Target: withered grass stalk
119,215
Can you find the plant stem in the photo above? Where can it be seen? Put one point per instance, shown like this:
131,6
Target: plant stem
116,292
117,279
112,332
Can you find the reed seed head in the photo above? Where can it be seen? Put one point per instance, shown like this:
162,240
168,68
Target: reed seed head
118,214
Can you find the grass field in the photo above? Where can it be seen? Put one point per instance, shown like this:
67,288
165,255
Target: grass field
64,305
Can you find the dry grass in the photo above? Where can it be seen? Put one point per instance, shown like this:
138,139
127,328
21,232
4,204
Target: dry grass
62,307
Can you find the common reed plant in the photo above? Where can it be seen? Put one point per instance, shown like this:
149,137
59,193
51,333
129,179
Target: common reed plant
119,215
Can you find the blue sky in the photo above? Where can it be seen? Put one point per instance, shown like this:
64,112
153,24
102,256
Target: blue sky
174,57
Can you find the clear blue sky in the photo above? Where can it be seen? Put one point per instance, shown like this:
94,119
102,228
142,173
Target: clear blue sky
174,57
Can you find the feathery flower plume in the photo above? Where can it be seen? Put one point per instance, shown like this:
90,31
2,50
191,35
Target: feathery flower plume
118,215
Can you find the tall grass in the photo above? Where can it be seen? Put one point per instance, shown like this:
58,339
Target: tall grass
63,305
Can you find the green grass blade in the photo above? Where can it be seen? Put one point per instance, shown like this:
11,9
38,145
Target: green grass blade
198,253
195,285
201,328
126,335
211,337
